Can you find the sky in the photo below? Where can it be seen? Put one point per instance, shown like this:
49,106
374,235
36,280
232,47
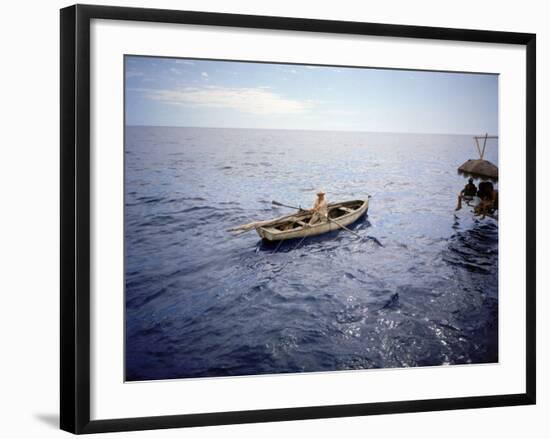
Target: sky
201,93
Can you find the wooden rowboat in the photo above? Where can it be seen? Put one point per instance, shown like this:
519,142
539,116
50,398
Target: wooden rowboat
296,226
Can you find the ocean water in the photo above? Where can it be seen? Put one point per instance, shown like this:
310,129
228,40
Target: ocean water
419,288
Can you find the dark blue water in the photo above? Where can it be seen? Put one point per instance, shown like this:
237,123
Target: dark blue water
419,288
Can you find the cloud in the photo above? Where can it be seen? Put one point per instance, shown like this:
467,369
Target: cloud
287,69
133,74
204,75
257,100
181,61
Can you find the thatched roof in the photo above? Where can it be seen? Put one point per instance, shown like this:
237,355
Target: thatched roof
479,168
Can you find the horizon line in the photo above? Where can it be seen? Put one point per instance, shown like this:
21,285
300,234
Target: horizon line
308,129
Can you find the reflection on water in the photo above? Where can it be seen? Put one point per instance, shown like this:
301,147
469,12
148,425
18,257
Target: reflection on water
420,287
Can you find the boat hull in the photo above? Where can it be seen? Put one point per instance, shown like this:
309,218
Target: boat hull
272,234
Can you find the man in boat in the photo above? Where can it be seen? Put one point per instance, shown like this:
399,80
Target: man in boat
468,193
320,209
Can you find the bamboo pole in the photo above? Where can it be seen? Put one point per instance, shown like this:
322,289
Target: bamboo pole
484,145
477,145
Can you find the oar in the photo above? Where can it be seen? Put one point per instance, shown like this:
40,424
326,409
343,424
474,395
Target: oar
251,226
276,203
344,227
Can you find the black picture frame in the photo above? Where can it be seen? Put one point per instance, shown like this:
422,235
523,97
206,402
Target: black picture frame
75,217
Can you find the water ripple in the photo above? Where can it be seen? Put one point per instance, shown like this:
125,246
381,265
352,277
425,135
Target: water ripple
419,288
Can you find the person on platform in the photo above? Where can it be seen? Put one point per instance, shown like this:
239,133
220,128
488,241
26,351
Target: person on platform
467,194
488,199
